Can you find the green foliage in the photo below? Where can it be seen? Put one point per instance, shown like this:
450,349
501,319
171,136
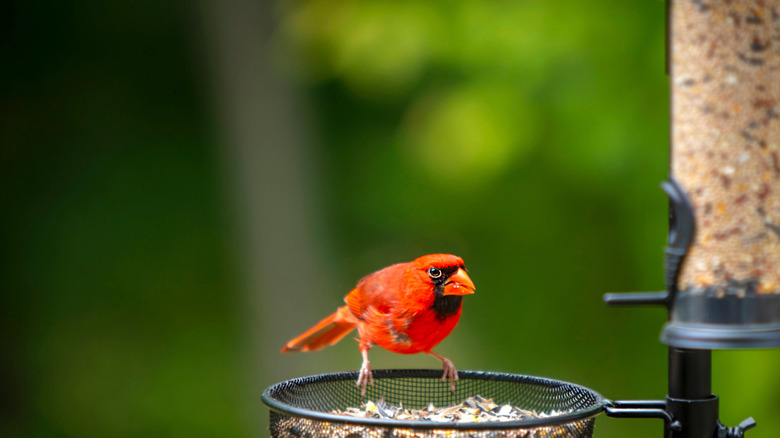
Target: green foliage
529,137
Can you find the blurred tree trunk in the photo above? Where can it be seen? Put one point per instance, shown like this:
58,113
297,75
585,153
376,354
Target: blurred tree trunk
267,161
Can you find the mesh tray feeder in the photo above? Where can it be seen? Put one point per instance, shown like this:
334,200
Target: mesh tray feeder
304,407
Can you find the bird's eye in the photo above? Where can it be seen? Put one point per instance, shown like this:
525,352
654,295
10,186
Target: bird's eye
434,273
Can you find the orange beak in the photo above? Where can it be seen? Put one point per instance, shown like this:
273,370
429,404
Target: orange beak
459,283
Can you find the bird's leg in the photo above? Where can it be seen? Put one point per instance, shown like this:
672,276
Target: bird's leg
450,373
365,377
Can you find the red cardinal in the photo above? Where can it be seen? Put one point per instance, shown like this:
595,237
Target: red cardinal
405,308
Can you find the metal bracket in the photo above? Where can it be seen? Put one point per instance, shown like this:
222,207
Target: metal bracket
644,409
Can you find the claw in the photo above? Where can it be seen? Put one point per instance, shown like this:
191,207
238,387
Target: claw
450,373
365,376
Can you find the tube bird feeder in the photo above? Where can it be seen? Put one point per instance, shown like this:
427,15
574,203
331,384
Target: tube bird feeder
725,84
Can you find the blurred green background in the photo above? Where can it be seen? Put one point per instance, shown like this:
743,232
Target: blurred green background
187,185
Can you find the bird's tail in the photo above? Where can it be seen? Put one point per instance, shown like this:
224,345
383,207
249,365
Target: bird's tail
327,332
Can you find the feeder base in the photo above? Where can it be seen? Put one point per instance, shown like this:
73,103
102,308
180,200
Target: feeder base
732,317
720,336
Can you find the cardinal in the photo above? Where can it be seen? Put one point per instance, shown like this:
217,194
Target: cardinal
405,308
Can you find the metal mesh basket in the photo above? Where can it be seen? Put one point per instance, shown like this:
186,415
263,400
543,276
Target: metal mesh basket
303,407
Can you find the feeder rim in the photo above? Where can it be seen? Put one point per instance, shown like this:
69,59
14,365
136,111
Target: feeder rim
600,403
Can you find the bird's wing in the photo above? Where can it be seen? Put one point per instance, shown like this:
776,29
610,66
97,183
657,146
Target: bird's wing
377,293
354,302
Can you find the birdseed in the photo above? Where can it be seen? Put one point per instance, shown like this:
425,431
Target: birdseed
476,409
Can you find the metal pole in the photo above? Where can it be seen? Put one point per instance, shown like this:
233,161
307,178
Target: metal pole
690,373
690,400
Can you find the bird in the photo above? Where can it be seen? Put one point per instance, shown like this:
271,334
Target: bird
405,308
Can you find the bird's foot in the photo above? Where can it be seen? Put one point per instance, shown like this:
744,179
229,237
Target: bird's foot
450,373
365,376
